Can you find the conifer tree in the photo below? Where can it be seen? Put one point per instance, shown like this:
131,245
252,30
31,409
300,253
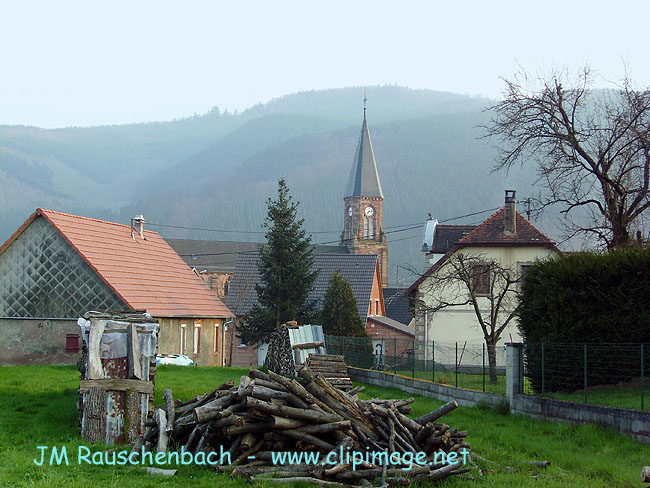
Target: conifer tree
286,277
340,314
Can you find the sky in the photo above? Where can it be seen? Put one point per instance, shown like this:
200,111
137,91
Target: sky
82,63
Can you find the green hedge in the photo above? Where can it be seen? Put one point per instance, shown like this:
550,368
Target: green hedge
582,298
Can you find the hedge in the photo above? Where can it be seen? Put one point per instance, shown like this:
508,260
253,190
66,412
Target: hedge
602,300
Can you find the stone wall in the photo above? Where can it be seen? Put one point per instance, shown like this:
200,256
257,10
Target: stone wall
465,398
37,341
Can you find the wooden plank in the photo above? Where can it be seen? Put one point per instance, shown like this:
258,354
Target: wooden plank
132,417
95,369
117,384
94,416
133,352
308,345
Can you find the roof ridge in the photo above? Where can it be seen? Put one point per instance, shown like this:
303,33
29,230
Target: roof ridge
482,224
81,217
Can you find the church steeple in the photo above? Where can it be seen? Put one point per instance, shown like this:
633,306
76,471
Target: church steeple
364,178
362,230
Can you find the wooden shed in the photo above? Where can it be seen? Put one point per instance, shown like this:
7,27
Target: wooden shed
118,369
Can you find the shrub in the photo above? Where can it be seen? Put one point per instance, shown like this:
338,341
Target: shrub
585,298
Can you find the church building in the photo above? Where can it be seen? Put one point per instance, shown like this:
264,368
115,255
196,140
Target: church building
362,230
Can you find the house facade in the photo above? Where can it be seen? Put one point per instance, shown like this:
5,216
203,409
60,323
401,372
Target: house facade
58,266
506,239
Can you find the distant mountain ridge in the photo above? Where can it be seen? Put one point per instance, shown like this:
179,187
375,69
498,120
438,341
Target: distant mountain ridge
217,170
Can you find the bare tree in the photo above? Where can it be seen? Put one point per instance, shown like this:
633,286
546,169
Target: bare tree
591,148
481,283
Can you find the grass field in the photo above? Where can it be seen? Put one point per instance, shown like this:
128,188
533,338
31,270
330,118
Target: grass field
623,395
37,408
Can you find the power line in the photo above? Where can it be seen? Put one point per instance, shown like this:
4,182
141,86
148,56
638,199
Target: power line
402,227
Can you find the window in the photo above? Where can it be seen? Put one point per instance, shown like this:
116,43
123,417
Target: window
197,338
183,339
376,307
371,227
215,345
71,343
366,227
481,279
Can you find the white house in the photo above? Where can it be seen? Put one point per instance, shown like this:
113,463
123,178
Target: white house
507,243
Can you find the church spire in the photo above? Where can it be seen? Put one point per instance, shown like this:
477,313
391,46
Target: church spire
364,178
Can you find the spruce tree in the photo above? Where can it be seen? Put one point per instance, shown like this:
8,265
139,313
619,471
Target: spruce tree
285,267
340,314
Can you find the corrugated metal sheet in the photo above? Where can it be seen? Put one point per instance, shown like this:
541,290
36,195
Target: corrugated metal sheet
303,335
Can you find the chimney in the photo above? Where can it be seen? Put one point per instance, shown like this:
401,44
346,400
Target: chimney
137,225
510,226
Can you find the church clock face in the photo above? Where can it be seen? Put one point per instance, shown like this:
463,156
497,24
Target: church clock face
350,211
369,211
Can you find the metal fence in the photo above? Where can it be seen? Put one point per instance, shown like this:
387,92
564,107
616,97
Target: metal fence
458,364
602,374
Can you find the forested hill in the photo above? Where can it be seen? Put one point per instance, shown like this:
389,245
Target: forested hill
217,170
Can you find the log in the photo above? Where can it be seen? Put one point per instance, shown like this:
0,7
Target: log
271,385
298,435
300,391
169,400
308,345
286,423
210,410
300,479
161,420
436,414
159,471
285,411
645,474
345,444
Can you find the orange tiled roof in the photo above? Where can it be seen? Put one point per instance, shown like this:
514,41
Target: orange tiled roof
147,274
491,232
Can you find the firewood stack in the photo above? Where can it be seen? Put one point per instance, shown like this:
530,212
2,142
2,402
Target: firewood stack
269,413
332,368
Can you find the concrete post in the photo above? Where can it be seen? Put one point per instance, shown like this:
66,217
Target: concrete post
514,370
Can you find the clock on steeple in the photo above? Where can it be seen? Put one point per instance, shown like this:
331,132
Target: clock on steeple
362,230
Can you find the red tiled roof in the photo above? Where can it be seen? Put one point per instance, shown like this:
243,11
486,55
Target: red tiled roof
147,274
490,232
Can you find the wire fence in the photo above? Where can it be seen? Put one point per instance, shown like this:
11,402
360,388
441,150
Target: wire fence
601,374
459,364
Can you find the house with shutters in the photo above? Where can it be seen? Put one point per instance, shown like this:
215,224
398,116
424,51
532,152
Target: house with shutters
505,238
57,266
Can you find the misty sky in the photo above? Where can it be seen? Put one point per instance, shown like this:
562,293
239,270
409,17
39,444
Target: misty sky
90,63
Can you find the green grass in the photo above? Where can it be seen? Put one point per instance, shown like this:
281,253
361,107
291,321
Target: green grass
623,396
37,407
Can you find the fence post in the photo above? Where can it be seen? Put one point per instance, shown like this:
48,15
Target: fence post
484,367
395,354
543,370
585,370
642,375
413,356
514,371
433,361
383,354
456,364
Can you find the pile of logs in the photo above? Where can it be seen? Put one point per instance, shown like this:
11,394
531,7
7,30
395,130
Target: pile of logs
268,413
332,368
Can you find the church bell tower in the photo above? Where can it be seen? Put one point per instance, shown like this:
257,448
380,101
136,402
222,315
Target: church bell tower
363,209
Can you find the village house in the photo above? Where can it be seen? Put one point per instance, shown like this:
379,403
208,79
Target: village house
361,271
506,238
58,266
